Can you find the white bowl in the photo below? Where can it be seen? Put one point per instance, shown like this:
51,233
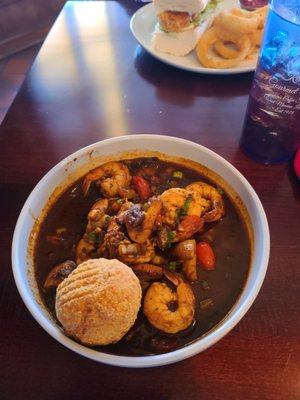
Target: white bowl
80,162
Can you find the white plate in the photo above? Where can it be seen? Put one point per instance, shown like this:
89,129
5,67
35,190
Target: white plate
142,25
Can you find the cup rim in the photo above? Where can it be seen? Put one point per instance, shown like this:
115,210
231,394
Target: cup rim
202,343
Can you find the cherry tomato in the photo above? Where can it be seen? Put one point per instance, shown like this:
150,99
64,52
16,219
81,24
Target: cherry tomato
142,187
206,256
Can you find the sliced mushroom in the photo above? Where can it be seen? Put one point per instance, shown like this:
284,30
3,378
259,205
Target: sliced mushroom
58,274
186,252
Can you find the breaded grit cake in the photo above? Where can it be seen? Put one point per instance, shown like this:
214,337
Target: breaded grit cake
99,301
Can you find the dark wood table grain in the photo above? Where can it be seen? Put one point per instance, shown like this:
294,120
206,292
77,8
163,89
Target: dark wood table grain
92,81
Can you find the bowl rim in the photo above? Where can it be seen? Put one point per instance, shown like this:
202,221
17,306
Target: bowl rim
200,344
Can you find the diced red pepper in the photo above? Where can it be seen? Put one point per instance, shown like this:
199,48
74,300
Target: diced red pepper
205,255
142,187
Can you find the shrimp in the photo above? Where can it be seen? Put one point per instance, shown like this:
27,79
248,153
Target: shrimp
135,253
181,216
125,206
97,220
117,206
203,190
177,201
158,259
173,201
97,217
148,272
114,178
187,227
112,239
140,224
117,245
167,310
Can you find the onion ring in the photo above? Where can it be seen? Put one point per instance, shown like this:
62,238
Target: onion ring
209,58
238,21
224,51
256,37
262,13
235,35
232,37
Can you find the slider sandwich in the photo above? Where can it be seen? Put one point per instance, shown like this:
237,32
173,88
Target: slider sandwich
180,24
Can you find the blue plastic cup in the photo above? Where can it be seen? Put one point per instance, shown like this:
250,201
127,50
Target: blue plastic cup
271,132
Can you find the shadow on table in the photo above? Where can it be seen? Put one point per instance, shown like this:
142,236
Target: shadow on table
169,81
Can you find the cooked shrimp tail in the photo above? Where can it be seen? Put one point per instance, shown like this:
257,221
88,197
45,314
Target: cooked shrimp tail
187,227
205,191
148,272
135,253
113,177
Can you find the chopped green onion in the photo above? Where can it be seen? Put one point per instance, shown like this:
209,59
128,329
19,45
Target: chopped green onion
170,237
172,265
177,175
204,284
205,304
185,208
145,206
221,191
92,237
119,201
171,184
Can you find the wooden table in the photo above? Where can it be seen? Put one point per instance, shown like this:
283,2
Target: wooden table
92,81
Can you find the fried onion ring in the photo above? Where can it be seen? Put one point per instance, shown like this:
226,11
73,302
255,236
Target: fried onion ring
238,21
256,37
225,51
210,59
227,37
262,13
